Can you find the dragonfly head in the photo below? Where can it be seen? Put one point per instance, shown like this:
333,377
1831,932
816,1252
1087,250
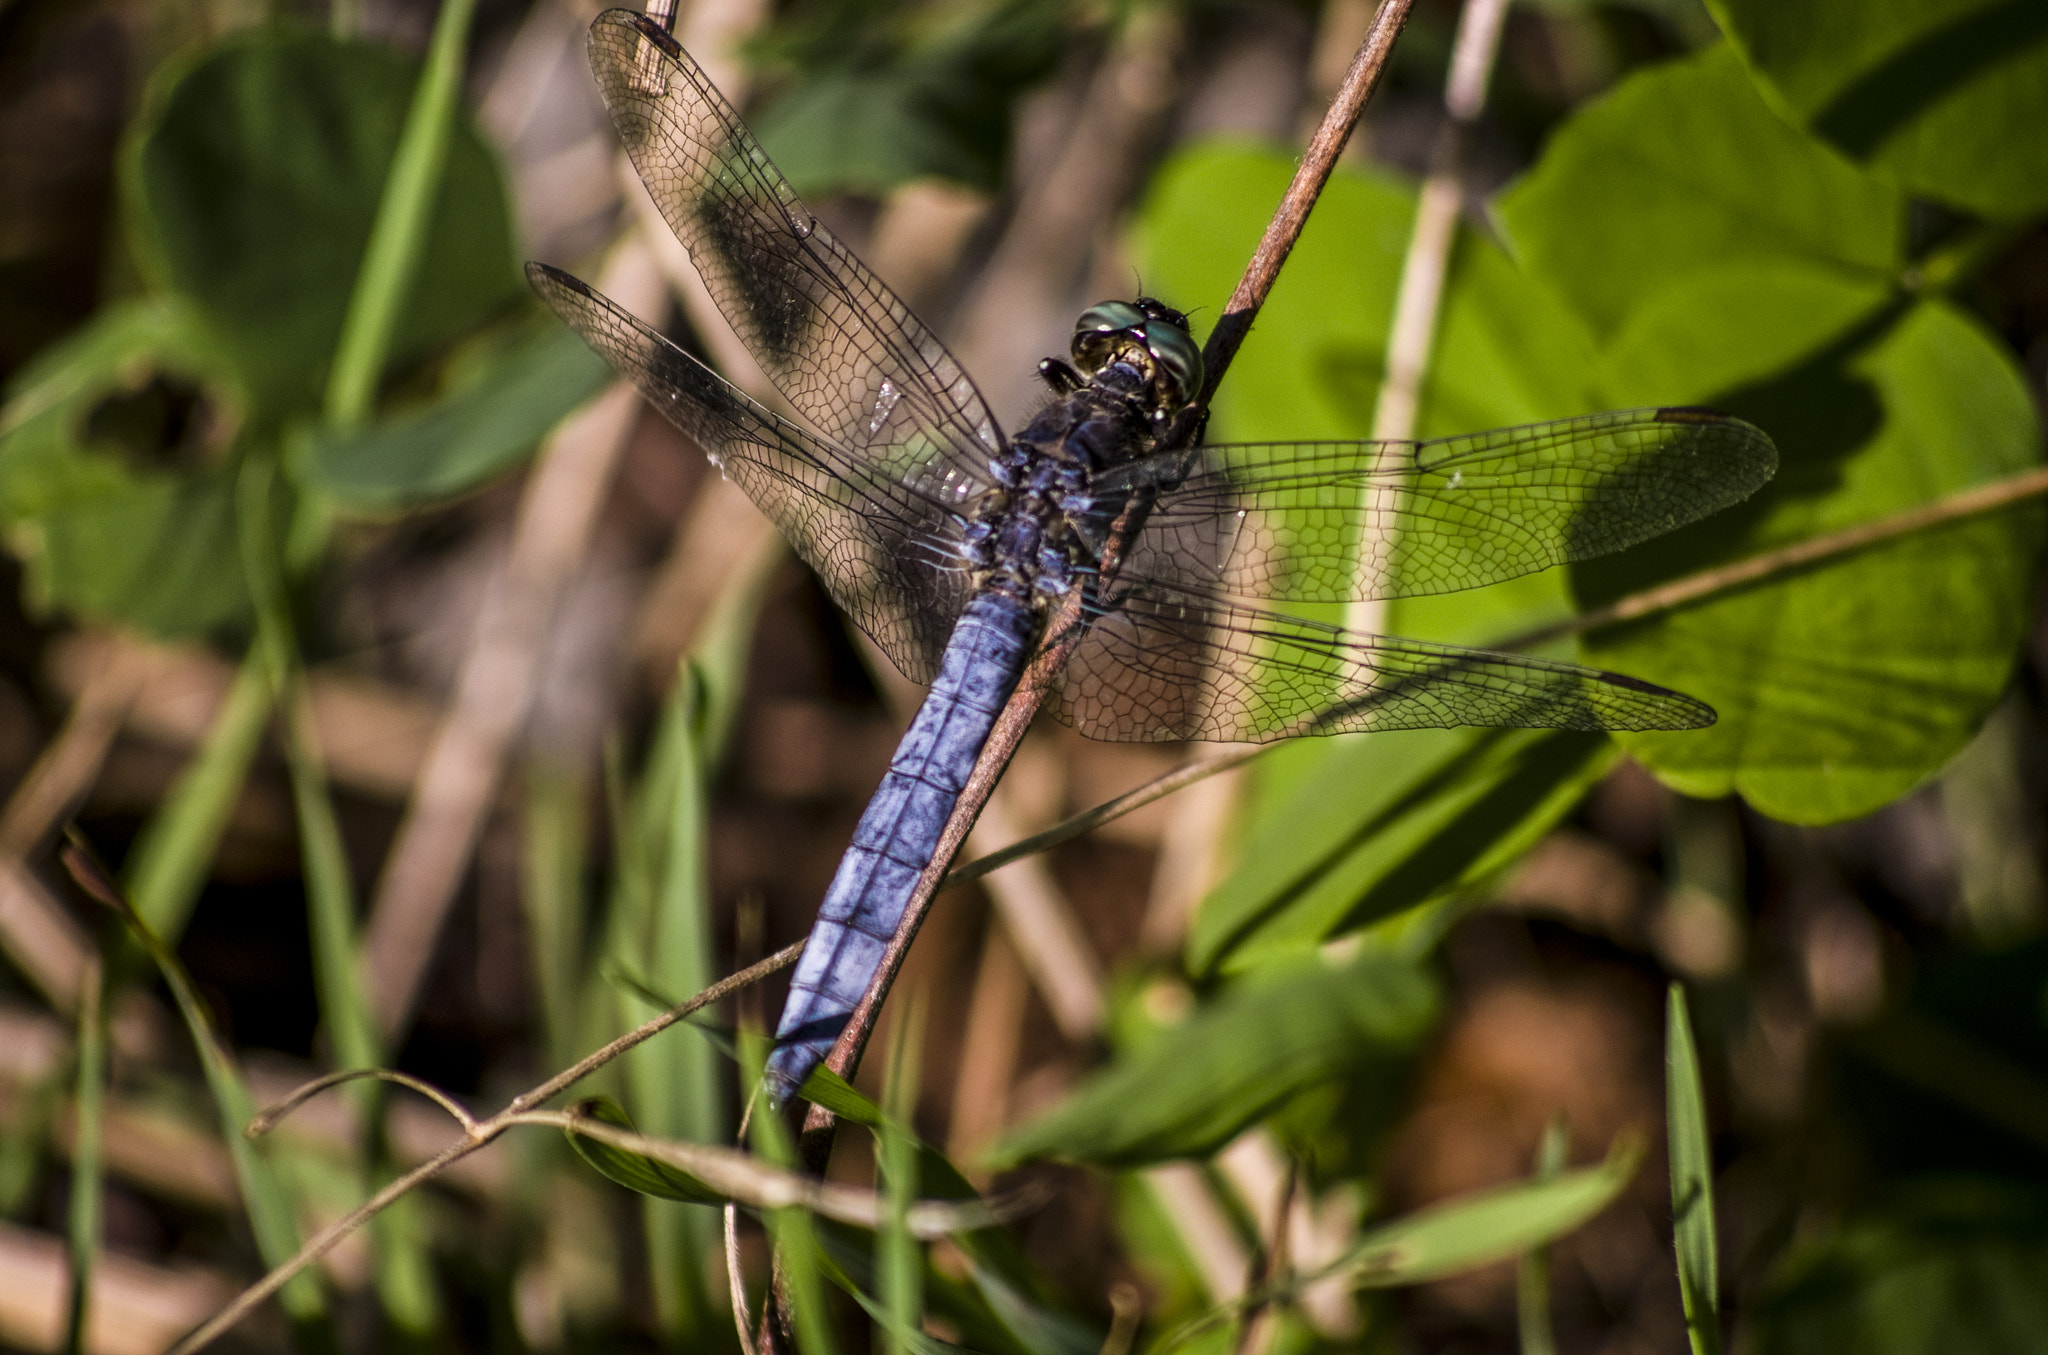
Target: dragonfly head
1145,334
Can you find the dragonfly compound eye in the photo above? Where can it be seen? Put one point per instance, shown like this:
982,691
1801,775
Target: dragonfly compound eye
1103,330
1179,361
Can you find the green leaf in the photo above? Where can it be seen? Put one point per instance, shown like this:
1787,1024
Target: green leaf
1840,687
103,535
1475,1230
1692,1180
157,552
1194,1086
1354,830
1948,97
632,1170
173,854
1684,168
398,234
1507,352
1943,1266
251,185
462,440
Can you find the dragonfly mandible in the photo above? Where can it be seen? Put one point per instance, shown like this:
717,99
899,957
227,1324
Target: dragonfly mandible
952,545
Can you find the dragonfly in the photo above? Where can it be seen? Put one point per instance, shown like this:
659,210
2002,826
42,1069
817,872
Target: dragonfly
1164,572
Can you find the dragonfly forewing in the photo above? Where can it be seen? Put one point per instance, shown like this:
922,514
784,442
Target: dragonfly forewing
1346,521
888,554
844,350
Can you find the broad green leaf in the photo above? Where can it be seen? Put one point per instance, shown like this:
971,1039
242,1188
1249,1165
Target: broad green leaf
1474,1230
1684,168
155,551
1844,685
1949,97
1945,1266
1507,352
1381,823
102,533
635,1172
1194,1086
1692,1180
250,187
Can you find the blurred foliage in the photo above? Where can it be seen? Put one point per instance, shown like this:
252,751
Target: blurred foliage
883,93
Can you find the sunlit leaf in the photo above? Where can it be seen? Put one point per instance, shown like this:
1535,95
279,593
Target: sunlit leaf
1684,168
251,185
1946,96
1195,1085
1475,1230
1842,686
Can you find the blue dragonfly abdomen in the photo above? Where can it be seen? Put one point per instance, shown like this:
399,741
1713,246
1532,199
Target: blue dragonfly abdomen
899,832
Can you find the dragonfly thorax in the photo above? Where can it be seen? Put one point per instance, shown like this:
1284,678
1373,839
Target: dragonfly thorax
1041,530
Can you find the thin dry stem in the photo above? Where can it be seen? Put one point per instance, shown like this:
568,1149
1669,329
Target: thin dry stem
1360,79
1789,559
742,1176
479,1134
270,1116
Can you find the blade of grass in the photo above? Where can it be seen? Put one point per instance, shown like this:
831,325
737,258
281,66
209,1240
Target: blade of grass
263,1196
675,1083
399,235
1532,1276
801,1285
1692,1181
170,860
404,1280
87,1167
899,1266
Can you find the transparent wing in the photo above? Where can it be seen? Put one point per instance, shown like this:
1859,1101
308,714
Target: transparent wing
888,553
1159,664
851,359
1332,521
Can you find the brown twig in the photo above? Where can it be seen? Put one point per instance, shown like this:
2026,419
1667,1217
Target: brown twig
1324,147
1786,559
478,1134
269,1117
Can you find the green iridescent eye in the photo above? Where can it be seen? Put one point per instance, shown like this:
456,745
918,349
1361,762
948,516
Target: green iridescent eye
1173,348
1107,318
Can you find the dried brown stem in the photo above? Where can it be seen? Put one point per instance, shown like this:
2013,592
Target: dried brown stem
1324,147
479,1134
1787,559
269,1117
